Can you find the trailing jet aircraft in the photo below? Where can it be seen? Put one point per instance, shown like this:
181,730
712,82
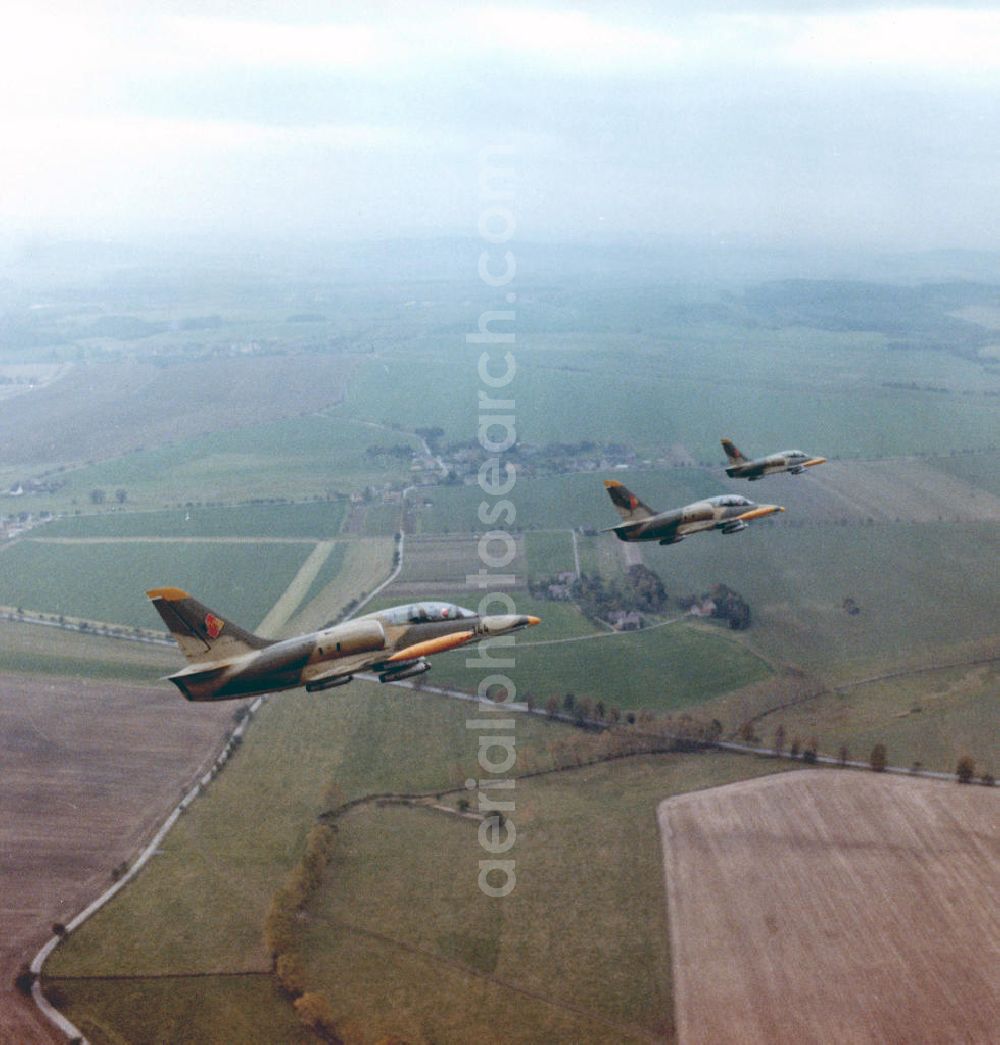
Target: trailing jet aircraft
728,512
226,662
794,461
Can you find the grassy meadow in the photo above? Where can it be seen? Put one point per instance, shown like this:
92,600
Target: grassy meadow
401,938
310,521
555,502
30,649
917,586
933,718
669,668
107,581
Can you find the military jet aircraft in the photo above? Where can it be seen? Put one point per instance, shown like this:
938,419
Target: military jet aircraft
794,461
728,512
226,662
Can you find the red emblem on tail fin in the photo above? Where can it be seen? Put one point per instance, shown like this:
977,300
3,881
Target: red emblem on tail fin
633,502
213,625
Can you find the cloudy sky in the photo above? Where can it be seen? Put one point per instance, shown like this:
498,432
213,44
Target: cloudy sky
771,123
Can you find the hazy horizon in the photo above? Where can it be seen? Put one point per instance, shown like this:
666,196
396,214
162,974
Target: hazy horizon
769,125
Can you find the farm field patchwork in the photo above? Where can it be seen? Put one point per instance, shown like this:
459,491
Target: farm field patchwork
239,840
311,457
399,926
363,564
436,562
201,904
831,387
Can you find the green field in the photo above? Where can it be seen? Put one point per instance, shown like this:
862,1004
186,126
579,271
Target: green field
32,649
917,586
978,469
316,521
208,892
555,502
107,581
305,457
692,384
577,952
668,669
549,554
148,1010
933,718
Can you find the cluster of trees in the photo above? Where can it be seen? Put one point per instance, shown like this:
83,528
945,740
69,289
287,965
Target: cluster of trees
728,605
99,496
641,591
965,772
281,927
401,450
878,760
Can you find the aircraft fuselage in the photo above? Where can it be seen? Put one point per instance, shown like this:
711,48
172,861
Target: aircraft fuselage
793,461
728,513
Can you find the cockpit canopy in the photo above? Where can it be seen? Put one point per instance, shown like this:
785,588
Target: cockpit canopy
730,500
794,454
424,613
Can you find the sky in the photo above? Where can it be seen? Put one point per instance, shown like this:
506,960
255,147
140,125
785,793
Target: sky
847,124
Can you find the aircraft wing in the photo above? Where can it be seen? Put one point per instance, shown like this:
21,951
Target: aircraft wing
325,671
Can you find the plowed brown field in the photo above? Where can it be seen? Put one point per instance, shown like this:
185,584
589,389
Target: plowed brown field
831,905
89,770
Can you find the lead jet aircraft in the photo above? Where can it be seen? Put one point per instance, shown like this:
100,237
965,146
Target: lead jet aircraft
794,461
728,512
226,662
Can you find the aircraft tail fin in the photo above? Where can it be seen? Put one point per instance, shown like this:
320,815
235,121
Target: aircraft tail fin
628,506
735,457
203,636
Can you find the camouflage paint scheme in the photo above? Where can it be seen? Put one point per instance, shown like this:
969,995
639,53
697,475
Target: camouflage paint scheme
793,461
226,662
728,512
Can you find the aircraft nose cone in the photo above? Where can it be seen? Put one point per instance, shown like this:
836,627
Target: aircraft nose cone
506,622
